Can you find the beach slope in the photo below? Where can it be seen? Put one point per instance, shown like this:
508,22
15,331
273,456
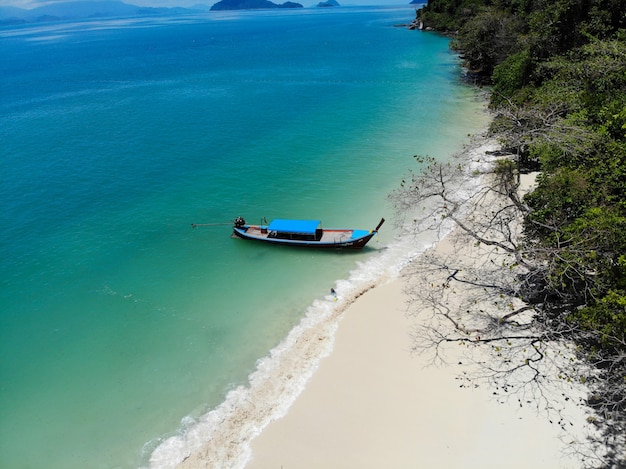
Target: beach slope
372,404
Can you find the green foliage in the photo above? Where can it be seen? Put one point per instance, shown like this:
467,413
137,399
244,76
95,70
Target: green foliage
492,30
558,69
488,38
612,120
511,76
605,18
597,240
560,197
548,154
608,316
598,71
449,15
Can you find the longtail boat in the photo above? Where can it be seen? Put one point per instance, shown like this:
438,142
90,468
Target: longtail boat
304,233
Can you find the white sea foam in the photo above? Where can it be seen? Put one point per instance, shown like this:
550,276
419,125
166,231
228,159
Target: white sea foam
222,436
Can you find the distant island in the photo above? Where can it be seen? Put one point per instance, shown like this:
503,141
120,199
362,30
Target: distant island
63,11
84,9
251,5
328,3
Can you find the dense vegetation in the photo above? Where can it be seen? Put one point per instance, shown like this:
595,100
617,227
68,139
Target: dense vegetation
558,75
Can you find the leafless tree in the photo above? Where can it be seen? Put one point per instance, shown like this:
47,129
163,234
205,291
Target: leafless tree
518,127
488,289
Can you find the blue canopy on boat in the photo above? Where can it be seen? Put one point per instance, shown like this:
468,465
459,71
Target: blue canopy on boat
294,226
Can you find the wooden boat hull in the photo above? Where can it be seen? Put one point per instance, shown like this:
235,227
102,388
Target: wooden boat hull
356,243
319,239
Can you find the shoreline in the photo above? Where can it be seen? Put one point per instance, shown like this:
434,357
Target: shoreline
372,403
222,437
344,390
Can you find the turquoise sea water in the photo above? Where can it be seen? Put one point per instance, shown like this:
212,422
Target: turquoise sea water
118,321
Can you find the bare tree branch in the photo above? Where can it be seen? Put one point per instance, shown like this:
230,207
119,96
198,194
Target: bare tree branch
476,287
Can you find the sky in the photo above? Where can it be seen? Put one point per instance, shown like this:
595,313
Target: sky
28,4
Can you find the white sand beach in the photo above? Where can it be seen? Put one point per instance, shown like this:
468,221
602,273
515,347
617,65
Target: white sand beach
374,404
